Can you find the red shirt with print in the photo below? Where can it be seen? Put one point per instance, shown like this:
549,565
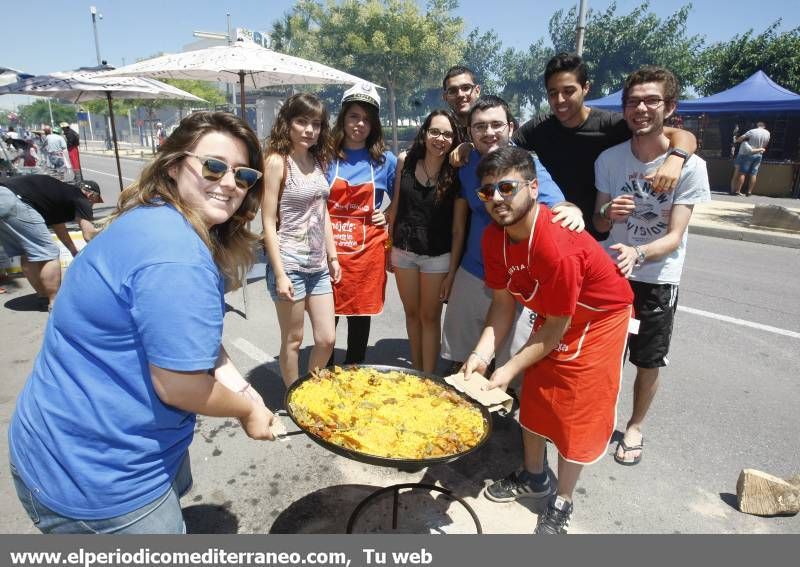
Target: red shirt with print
555,270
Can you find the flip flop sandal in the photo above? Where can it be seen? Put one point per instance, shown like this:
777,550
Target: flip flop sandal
626,449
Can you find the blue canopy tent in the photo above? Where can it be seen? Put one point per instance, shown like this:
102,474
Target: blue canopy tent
756,94
612,102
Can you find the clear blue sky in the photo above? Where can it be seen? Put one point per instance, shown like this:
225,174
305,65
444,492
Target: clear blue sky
56,35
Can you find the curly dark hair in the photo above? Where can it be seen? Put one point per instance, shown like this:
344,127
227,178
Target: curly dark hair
301,104
447,184
374,143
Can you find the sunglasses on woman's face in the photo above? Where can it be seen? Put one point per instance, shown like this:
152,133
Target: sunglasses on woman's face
507,189
215,169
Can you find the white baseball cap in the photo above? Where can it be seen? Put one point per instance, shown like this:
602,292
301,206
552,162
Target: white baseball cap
362,92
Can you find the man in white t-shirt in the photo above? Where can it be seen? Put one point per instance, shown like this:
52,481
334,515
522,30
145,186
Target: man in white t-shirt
751,151
647,231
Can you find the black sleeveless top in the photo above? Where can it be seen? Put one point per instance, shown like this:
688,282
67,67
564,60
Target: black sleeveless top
424,225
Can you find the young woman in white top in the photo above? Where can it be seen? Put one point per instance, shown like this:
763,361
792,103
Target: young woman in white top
297,231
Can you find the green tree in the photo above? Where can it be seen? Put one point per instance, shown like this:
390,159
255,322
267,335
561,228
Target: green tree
616,44
523,76
203,89
37,113
483,53
726,64
389,42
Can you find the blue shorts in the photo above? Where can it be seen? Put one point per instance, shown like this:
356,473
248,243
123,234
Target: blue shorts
748,164
23,231
304,283
406,260
161,516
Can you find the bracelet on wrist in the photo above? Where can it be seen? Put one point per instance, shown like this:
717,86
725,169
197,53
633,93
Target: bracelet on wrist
479,357
333,258
604,211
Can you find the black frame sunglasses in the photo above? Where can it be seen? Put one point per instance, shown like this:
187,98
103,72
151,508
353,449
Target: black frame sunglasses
506,187
215,169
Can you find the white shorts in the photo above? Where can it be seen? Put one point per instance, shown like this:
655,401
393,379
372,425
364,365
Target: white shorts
406,260
465,318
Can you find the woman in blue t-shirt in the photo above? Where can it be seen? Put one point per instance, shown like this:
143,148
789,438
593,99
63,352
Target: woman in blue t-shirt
132,351
361,173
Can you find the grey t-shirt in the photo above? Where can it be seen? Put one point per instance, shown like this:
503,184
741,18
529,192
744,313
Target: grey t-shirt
755,139
618,172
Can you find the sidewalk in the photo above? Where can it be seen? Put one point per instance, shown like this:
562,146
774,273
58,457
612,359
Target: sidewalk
730,217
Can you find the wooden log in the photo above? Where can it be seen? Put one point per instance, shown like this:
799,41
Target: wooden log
762,494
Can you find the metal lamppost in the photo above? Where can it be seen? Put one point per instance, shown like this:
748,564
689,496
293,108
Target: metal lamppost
95,16
581,30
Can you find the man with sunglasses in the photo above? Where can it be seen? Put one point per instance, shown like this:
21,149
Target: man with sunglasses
573,360
648,231
460,90
491,126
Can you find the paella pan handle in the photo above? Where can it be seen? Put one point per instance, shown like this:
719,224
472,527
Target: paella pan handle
279,429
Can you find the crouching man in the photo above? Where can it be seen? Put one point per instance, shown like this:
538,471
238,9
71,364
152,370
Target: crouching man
573,359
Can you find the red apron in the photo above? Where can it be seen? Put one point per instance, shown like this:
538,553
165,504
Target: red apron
359,246
570,396
74,158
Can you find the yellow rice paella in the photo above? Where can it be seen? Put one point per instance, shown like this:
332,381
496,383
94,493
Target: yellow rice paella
386,413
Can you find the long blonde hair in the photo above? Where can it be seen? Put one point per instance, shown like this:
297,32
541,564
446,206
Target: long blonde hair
231,243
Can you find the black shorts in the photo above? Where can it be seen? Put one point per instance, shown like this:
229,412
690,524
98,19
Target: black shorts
654,306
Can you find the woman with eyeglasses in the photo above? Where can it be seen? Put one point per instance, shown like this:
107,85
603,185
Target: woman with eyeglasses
361,174
132,351
297,231
428,225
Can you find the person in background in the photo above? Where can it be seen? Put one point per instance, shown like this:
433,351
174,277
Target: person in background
73,143
573,360
428,224
56,151
132,352
301,254
29,205
460,90
752,146
361,174
648,232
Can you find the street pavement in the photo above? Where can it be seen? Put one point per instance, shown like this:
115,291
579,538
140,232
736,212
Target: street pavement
728,400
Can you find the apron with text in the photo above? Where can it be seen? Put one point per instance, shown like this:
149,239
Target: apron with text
570,396
359,246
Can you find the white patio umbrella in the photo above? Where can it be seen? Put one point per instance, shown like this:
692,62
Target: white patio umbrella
244,62
9,75
86,84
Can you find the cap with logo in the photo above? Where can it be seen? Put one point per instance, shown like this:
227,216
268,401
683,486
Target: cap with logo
362,92
64,124
91,187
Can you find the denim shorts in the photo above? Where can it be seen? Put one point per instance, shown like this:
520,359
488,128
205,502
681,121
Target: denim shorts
161,516
23,231
304,283
748,164
406,260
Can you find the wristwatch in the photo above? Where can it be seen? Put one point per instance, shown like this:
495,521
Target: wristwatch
640,256
678,152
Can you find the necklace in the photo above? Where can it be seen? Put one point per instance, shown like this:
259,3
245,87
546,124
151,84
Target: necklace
430,178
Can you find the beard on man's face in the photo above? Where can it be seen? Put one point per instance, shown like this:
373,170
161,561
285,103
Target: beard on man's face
504,215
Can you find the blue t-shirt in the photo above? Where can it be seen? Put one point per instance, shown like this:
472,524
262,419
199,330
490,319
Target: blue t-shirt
89,436
355,169
472,261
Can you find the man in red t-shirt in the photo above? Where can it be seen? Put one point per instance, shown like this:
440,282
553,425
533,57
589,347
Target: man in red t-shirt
573,360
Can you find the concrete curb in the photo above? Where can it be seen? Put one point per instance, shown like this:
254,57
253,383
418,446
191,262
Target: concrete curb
773,239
